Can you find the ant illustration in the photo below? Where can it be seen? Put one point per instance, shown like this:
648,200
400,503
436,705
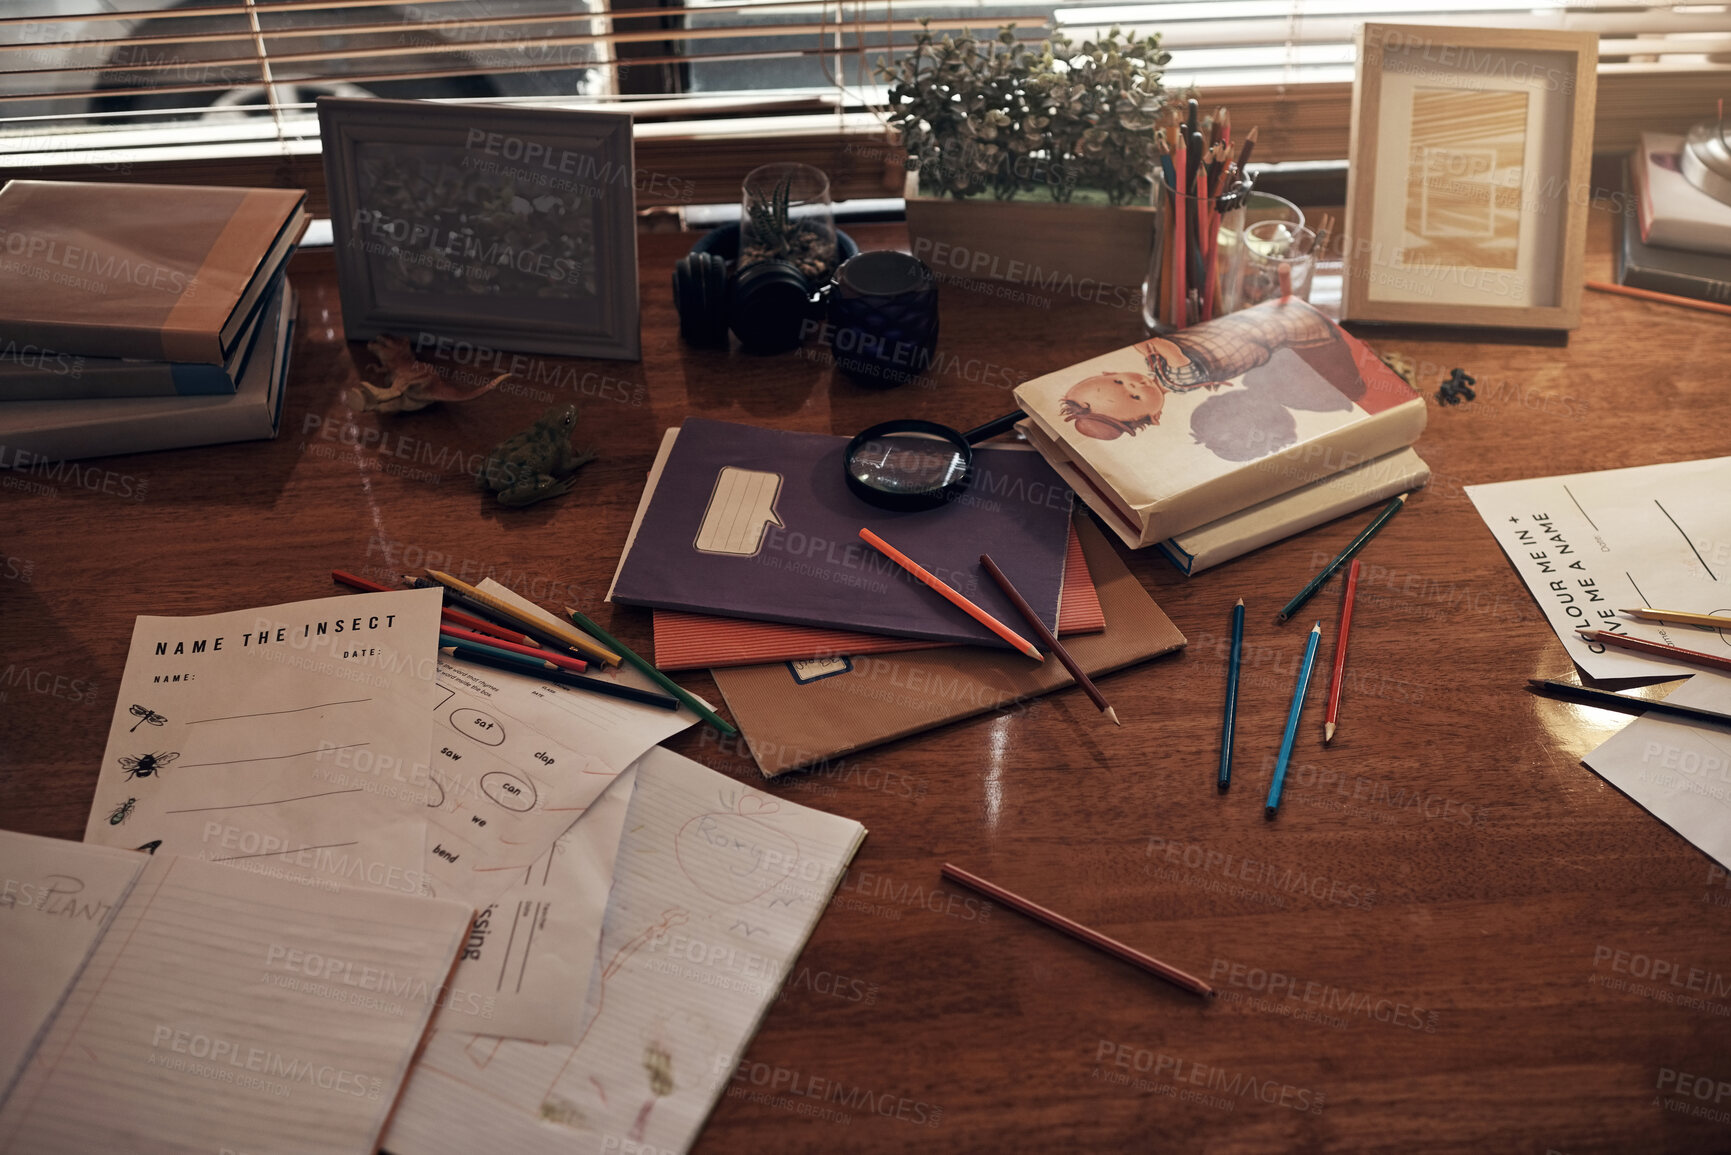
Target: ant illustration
144,715
148,764
122,812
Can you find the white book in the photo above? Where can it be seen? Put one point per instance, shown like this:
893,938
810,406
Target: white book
45,431
1674,213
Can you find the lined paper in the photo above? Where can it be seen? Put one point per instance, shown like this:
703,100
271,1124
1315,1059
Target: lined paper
227,1011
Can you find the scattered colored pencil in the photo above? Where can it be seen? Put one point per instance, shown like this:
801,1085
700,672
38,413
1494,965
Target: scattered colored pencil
525,632
1076,930
1598,697
1345,555
1658,649
1273,804
648,669
1045,635
541,661
567,636
1660,298
1680,617
557,661
501,661
1224,780
454,617
950,595
1338,677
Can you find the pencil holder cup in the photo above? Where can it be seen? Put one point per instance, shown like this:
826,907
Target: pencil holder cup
883,318
1257,207
1275,260
1183,282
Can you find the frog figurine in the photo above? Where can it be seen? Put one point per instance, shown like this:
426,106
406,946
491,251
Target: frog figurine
537,463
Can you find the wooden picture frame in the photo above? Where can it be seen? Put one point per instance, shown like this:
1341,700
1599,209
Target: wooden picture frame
506,228
1468,185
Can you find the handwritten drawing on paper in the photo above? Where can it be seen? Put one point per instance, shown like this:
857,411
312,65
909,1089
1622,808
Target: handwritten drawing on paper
741,507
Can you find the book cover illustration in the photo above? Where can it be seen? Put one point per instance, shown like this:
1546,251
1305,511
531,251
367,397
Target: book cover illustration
1174,411
748,522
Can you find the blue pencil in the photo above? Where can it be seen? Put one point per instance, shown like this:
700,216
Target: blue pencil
1292,722
1225,779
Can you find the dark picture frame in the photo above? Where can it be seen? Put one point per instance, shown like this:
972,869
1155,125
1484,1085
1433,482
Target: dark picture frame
511,228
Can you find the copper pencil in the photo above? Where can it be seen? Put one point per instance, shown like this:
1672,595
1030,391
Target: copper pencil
1049,639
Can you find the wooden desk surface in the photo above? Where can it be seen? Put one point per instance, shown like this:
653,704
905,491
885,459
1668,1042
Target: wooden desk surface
1425,955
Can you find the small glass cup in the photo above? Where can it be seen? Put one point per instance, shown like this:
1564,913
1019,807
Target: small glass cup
1258,207
1276,260
883,318
785,214
1184,278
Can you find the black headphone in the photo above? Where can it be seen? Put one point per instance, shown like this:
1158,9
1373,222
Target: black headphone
766,305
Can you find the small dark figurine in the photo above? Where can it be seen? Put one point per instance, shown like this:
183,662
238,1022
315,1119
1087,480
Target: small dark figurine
1458,385
537,463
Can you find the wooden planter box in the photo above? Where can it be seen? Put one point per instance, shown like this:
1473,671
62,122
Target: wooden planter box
1036,243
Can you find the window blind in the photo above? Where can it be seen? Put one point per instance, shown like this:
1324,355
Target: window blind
81,78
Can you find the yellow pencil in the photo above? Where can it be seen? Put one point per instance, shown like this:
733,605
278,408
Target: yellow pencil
950,595
1681,617
584,644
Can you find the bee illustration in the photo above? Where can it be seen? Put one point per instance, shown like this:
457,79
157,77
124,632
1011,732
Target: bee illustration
147,764
149,847
122,812
143,715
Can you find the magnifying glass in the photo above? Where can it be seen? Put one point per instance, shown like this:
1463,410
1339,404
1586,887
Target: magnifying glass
911,464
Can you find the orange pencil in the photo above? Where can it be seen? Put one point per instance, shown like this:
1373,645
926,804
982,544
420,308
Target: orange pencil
1660,298
454,617
1338,678
950,595
562,661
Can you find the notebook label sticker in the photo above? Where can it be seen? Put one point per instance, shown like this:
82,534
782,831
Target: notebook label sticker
741,507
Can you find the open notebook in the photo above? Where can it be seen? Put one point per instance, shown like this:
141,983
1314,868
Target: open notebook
217,1009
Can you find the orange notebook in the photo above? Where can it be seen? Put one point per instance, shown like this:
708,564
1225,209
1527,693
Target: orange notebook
699,641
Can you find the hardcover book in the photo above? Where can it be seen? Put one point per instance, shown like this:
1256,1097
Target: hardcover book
1701,275
749,522
47,431
1674,214
156,272
1182,430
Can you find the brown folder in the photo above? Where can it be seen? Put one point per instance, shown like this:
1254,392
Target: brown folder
793,714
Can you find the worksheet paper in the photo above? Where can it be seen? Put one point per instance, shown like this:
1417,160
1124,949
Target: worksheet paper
1680,771
1590,544
56,899
230,1011
526,963
291,740
716,889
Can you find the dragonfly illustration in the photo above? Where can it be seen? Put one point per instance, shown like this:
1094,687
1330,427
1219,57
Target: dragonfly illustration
145,715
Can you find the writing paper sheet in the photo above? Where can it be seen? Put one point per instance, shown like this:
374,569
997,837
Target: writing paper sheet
225,1010
56,899
526,963
1590,544
1680,771
716,889
290,740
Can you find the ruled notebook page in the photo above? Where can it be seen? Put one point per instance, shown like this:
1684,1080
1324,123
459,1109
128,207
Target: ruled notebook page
223,1010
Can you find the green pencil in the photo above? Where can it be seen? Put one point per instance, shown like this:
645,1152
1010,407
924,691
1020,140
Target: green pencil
660,679
1345,555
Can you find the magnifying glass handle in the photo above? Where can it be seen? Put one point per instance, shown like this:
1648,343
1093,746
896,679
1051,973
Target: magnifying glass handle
993,427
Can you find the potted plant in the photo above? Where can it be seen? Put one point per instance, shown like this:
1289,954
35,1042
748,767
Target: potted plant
1030,165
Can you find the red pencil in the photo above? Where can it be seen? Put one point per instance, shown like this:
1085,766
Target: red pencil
1658,649
454,617
1338,678
1076,930
560,660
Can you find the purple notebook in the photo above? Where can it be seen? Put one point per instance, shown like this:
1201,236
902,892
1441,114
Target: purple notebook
748,522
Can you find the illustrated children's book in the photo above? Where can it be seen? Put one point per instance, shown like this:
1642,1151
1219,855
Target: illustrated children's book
1179,431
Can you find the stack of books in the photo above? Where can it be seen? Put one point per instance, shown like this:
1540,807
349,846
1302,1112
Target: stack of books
1231,434
1676,238
142,317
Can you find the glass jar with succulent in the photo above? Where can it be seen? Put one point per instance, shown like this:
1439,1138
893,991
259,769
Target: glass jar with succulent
786,215
1064,122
